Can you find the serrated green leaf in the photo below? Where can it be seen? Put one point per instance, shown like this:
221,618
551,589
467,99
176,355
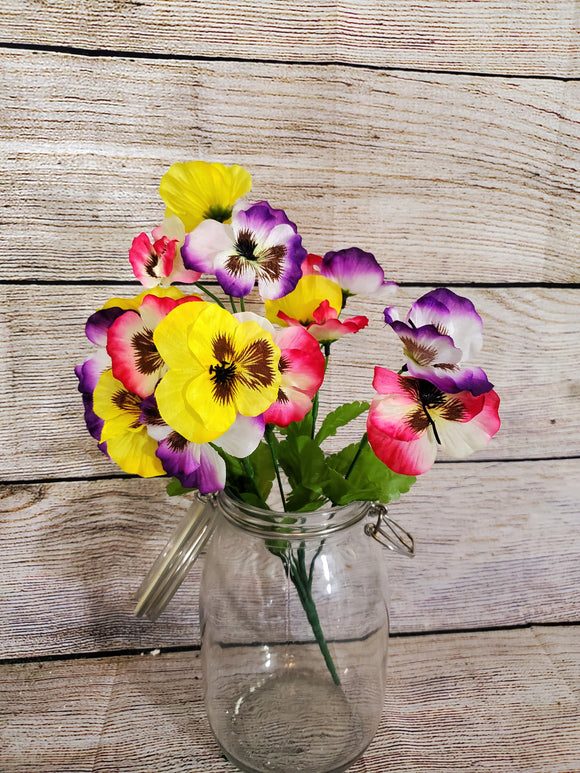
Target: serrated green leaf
370,479
339,418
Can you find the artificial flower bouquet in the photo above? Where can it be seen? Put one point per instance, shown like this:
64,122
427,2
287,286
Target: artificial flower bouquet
198,387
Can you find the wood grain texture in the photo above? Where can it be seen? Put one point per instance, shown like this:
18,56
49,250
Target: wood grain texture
487,36
75,553
531,353
465,702
445,178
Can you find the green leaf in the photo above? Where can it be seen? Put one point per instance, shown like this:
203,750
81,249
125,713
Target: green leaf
370,479
303,461
261,461
303,499
338,418
175,489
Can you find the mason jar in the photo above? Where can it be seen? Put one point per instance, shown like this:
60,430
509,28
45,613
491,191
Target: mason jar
294,629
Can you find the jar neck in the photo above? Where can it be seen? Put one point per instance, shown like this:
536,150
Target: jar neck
294,526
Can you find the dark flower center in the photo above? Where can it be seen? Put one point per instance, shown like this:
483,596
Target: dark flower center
245,245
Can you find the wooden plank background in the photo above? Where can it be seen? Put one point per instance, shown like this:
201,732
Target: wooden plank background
442,136
104,705
490,36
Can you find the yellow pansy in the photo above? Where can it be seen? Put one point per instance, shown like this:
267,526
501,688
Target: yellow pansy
218,367
199,190
303,301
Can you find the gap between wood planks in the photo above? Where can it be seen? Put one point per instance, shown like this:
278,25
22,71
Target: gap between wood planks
456,285
124,476
113,53
131,652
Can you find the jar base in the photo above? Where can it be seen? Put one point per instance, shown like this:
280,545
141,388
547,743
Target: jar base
293,723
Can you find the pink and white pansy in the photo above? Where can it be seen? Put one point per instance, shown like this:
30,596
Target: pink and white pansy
411,418
302,368
134,356
261,244
159,262
441,333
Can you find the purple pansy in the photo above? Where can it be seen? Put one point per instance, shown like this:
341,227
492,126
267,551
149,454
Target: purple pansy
442,331
198,465
260,244
90,371
356,271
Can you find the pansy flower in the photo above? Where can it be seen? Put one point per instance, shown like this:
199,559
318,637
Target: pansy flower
134,357
89,372
218,367
411,418
354,270
127,439
199,190
159,262
261,244
303,301
442,331
302,370
315,305
199,465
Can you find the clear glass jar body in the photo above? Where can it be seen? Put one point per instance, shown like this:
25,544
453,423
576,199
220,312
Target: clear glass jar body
294,637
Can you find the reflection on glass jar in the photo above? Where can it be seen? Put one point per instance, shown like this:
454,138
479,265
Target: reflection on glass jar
294,637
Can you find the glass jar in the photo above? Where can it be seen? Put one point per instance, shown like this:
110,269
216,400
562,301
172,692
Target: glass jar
294,636
294,627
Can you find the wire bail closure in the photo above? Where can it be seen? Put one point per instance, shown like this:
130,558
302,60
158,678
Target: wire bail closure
389,533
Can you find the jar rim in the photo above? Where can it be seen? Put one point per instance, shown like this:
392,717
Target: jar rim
292,525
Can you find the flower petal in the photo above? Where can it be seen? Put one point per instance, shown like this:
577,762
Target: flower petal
198,190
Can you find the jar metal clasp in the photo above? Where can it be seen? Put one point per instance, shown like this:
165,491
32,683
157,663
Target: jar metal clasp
388,532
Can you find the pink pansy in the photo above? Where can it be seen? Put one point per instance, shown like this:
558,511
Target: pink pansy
159,262
326,326
311,264
134,356
411,417
302,368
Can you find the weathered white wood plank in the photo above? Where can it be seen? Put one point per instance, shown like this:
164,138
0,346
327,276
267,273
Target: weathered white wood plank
482,701
531,352
497,544
514,37
445,178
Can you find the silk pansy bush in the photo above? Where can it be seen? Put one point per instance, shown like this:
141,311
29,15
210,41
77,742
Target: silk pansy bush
219,387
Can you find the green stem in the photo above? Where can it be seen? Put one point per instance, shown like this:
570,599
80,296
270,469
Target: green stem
363,441
233,305
314,409
269,433
242,304
204,289
314,415
300,579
